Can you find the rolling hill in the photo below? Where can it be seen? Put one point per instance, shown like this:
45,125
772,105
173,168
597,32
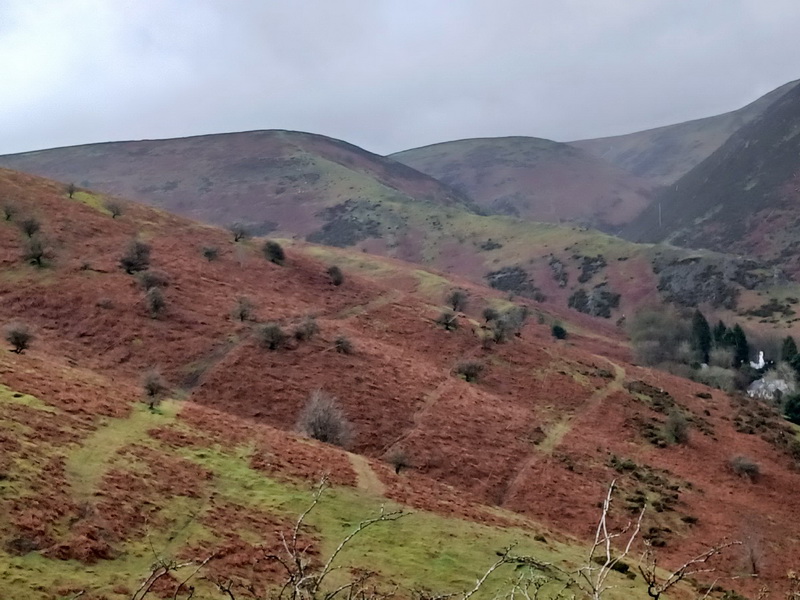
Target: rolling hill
662,155
94,484
534,179
743,198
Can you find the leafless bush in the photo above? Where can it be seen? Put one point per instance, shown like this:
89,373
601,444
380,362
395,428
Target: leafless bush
343,345
19,335
448,319
677,428
35,250
136,257
243,311
721,357
490,314
336,275
210,253
745,467
305,329
154,387
114,207
9,210
30,226
71,189
323,420
457,299
470,370
716,377
239,231
105,303
399,459
155,301
271,336
152,279
656,334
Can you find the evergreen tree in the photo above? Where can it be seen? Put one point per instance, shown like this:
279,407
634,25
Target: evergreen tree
701,336
741,349
788,349
720,334
792,409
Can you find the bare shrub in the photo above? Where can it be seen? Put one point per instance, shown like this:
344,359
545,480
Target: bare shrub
273,252
323,420
676,428
490,314
210,253
9,210
470,370
105,303
114,207
152,279
154,387
656,334
457,299
30,226
305,329
745,467
35,250
336,275
721,357
243,311
155,301
684,353
136,257
271,336
343,345
239,231
19,335
71,189
399,459
716,377
448,319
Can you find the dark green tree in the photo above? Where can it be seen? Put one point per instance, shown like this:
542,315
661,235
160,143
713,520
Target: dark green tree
720,334
701,336
738,341
792,409
788,349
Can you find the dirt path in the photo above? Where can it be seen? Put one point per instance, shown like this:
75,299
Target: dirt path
368,480
563,426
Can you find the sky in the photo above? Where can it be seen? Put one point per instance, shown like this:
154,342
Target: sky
386,75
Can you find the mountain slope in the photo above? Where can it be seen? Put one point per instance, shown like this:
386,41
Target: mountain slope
269,180
743,198
662,155
534,179
93,483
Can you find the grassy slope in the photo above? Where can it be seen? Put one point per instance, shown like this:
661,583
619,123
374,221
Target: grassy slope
546,418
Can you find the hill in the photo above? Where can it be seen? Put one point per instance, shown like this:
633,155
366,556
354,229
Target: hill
743,197
94,484
534,179
662,155
268,180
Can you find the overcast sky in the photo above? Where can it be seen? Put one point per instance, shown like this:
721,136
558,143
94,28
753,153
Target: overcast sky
384,74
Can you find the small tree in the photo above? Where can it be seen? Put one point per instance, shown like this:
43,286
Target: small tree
791,409
720,335
30,226
323,420
136,257
271,336
243,311
677,428
114,207
152,279
343,345
788,349
273,252
210,253
154,387
239,231
9,210
490,314
559,332
35,250
457,299
19,336
448,319
71,189
738,341
336,275
306,329
399,459
701,336
155,301
470,370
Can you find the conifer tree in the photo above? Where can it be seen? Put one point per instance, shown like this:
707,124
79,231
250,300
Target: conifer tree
720,334
788,349
701,336
741,349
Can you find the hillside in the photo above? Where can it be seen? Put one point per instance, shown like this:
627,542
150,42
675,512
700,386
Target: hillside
662,155
534,179
268,180
94,483
742,198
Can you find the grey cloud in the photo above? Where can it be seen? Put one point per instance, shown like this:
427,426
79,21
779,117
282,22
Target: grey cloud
384,74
